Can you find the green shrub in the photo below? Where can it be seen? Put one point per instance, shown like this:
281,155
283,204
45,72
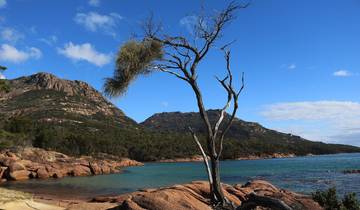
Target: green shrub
19,125
4,86
330,201
350,202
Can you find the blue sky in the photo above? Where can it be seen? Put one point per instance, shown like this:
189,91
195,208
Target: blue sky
301,58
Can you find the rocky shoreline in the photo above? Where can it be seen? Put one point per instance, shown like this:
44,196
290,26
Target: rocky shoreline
38,163
199,158
29,163
194,195
267,156
35,163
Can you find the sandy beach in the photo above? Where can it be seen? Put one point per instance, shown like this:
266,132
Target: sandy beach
16,200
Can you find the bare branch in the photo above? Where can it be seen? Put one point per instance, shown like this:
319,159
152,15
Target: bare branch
236,105
203,155
171,41
178,60
227,105
211,34
150,27
232,96
225,46
242,85
171,72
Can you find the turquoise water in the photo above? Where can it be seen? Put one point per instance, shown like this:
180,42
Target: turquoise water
300,174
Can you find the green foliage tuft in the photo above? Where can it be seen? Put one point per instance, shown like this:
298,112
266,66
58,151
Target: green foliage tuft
134,58
329,200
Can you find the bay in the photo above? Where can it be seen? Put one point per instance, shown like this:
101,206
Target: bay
299,174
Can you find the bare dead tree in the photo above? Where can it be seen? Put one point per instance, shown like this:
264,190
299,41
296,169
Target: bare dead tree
181,58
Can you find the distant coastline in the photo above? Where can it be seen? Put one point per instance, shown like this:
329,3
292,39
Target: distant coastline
199,158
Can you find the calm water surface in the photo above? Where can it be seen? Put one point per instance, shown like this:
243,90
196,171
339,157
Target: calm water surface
300,174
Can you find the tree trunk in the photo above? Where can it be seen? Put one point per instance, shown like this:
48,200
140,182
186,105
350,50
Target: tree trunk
217,192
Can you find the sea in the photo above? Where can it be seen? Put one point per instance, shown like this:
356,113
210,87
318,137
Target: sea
299,174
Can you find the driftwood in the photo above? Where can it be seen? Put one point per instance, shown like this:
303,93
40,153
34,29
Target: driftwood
263,201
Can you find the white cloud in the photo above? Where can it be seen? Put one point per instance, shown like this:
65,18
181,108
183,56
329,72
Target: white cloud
2,76
189,22
51,40
9,53
94,3
342,73
34,52
316,110
292,66
93,21
2,3
288,66
165,104
85,52
33,30
328,120
11,35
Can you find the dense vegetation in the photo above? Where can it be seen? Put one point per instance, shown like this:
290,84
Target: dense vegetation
244,137
52,119
330,200
136,143
80,140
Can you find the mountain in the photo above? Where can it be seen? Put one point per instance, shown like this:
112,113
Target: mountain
71,117
248,137
45,97
179,122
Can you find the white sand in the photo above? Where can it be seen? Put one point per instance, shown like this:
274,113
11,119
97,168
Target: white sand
15,200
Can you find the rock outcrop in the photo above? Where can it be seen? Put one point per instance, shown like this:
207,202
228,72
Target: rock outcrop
352,171
195,196
194,158
267,156
38,163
